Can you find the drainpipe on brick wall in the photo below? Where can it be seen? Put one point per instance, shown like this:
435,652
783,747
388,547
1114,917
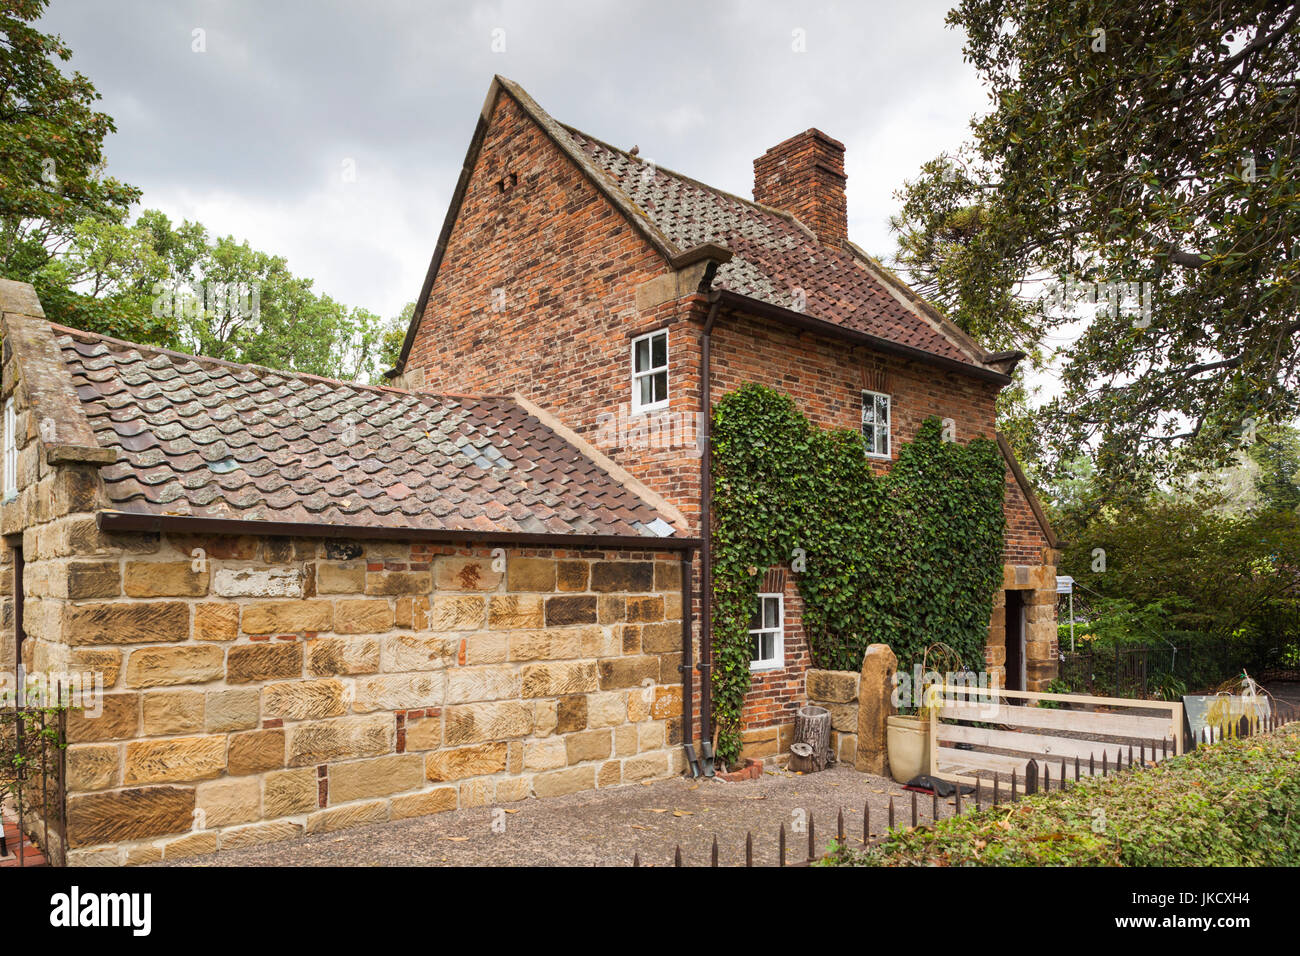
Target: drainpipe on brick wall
706,545
687,667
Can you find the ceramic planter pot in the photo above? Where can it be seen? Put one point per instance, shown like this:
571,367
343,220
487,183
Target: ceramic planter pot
908,741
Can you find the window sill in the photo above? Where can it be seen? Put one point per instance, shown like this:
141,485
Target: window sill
647,409
766,666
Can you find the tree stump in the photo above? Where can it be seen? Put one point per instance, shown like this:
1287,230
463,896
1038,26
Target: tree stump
811,750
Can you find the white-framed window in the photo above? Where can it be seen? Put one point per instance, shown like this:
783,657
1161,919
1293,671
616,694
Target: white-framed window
11,451
650,371
875,423
767,633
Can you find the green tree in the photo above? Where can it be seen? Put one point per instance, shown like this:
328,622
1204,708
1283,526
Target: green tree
51,148
1128,143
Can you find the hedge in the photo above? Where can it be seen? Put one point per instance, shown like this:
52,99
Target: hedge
1231,804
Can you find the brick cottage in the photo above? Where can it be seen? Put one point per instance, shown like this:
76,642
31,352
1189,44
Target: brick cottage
624,298
317,604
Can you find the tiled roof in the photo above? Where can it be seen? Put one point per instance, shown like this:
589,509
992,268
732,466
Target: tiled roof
773,255
205,438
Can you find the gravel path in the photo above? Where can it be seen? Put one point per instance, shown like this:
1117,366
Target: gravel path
607,827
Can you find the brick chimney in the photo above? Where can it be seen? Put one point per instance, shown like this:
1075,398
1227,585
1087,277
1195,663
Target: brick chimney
804,176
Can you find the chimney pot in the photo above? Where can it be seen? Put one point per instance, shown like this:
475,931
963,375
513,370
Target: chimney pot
804,176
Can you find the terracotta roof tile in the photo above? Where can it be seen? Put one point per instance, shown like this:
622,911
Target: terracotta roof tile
773,256
204,438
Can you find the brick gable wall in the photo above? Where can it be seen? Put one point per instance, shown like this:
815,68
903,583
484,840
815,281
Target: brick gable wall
569,265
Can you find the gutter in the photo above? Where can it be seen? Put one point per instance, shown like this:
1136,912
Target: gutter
116,521
800,320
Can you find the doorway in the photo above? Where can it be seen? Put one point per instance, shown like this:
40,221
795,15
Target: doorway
1015,678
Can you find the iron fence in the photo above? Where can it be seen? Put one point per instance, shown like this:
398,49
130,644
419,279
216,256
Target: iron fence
929,809
33,784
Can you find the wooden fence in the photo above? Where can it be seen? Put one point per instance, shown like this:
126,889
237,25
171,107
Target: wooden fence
1069,728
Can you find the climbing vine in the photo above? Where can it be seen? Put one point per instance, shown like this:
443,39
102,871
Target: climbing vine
907,559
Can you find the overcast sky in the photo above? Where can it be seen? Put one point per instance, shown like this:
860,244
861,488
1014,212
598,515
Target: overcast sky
250,136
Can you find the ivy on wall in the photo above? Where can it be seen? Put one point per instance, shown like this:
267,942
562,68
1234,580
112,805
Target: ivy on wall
906,559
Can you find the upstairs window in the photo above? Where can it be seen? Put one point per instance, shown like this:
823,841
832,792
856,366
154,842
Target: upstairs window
767,633
11,452
650,372
875,423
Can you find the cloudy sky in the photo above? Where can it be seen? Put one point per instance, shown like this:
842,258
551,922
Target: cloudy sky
250,136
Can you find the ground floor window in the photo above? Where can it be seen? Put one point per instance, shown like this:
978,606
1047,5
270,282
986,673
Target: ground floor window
766,633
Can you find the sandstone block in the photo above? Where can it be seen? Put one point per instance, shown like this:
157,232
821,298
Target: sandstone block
875,704
362,616
424,733
249,663
121,815
572,575
568,609
342,656
558,679
490,682
511,611
92,579
117,718
622,576
91,767
336,578
156,623
607,709
417,652
173,712
341,738
455,612
437,800
455,573
460,762
288,617
668,702
289,792
216,622
398,692
165,579
649,766
616,672
174,760
304,699
500,720
398,582
478,792
836,687
376,777
227,801
258,834
255,752
194,844
589,745
664,638
571,714
570,780
548,754
530,574
89,661
259,582
228,710
165,666
512,789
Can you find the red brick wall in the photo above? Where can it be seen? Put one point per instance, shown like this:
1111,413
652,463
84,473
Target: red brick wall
569,264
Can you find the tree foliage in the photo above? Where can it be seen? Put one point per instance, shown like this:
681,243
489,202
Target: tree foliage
1128,143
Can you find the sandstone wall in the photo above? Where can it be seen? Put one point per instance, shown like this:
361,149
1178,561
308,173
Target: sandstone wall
259,688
